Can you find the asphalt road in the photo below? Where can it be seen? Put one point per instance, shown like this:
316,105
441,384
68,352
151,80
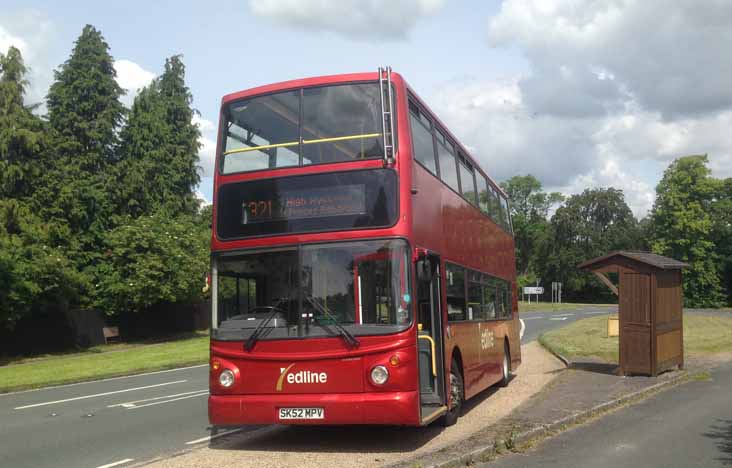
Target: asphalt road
124,421
100,423
536,323
690,426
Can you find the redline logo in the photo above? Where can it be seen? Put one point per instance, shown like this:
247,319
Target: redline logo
300,377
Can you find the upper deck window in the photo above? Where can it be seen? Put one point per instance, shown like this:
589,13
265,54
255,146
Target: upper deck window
448,163
306,126
467,181
423,146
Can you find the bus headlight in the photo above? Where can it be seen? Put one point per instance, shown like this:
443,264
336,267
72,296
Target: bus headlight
379,375
226,379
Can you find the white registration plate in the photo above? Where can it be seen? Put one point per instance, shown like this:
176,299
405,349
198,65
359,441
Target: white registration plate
302,413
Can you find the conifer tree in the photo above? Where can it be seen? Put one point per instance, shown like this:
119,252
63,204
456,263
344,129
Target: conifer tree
84,113
160,148
22,134
84,103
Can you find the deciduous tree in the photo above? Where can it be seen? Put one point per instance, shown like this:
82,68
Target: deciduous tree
683,227
530,207
590,224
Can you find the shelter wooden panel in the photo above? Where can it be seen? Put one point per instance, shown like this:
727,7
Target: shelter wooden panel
650,302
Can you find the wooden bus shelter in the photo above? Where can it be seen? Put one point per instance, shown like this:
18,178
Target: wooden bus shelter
650,304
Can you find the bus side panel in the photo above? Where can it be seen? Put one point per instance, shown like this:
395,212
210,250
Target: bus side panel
460,233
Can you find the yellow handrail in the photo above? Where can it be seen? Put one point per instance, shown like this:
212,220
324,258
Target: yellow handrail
255,148
343,138
432,344
304,142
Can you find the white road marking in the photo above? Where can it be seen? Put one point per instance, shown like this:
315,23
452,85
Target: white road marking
117,463
523,329
207,438
134,403
104,380
166,401
532,318
563,315
98,395
558,318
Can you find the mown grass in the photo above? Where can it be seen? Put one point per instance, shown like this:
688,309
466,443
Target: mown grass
703,335
549,307
103,362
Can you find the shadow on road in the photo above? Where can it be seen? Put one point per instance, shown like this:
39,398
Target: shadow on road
721,433
596,367
332,439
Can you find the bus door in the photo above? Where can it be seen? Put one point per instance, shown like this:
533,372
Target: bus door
430,343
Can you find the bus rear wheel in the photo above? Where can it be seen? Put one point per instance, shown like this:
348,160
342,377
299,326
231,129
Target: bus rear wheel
456,395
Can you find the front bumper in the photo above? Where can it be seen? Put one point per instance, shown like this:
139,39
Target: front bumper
389,408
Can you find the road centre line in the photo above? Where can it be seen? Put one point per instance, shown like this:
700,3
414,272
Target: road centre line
131,376
133,403
117,463
563,315
558,318
212,437
531,318
166,401
98,395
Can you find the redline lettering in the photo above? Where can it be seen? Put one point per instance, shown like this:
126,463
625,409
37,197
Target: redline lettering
305,377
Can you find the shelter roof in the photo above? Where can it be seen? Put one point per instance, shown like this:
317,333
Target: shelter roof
648,258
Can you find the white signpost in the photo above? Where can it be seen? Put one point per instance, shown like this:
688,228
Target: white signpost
535,290
556,292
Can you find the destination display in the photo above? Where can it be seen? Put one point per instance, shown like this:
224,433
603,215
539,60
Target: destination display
343,200
309,203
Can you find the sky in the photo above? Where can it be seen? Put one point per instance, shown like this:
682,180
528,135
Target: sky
580,94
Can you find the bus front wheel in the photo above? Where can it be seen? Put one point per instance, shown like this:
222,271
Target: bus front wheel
456,393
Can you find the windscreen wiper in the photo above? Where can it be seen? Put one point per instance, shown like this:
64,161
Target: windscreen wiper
260,328
350,340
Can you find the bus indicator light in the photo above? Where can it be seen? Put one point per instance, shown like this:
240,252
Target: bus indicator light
394,360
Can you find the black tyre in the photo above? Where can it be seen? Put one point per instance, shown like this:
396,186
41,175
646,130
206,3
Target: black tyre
456,394
505,367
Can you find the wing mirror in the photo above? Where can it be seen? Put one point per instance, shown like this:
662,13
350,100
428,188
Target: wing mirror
424,270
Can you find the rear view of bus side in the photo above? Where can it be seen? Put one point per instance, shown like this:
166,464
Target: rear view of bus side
362,263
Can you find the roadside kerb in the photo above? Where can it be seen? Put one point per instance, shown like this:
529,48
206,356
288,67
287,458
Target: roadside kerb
490,449
566,361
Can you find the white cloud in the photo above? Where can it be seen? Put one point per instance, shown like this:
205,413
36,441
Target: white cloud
638,194
7,40
32,33
201,196
364,19
670,57
203,124
616,90
207,153
131,77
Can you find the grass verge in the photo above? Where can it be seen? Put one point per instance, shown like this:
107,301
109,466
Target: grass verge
103,362
703,335
549,307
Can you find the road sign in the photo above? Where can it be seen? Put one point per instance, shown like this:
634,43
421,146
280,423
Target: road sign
533,290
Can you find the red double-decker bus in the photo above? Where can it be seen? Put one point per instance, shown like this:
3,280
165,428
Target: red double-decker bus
363,265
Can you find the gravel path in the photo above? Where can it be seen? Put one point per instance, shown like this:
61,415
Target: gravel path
354,446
